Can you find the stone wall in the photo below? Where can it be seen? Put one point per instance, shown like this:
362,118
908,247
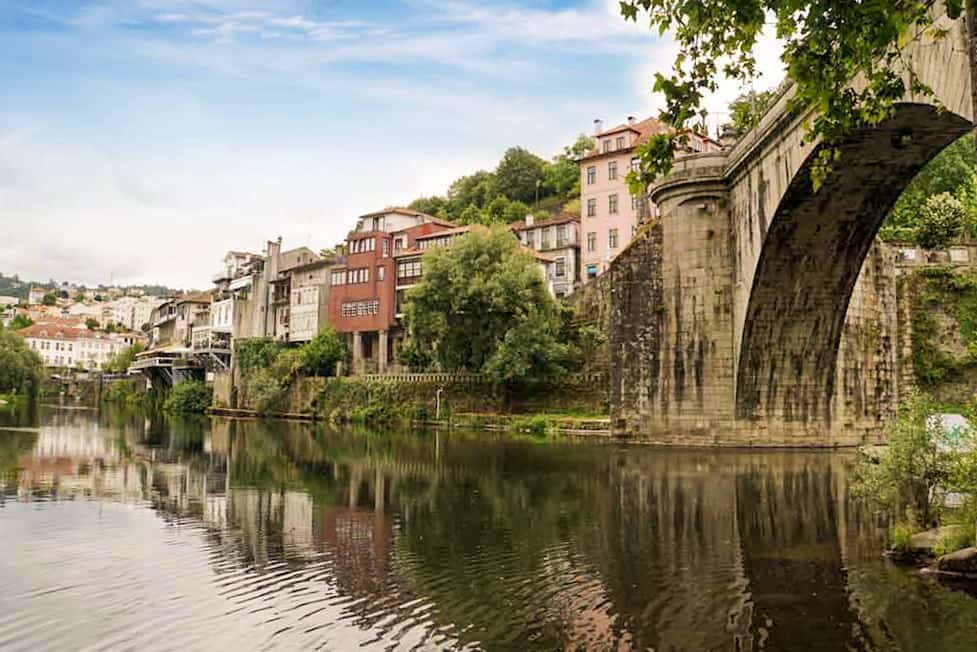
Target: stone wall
671,344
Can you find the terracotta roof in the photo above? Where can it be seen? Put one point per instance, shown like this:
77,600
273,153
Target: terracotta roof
437,234
56,331
409,211
546,258
644,128
561,218
196,297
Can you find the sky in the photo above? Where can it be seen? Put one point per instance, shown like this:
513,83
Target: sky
142,139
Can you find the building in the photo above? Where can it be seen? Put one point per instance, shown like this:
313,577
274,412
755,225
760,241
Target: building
609,212
363,293
6,301
282,284
132,312
559,238
308,310
35,295
76,348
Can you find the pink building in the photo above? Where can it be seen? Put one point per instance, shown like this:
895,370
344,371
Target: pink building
609,213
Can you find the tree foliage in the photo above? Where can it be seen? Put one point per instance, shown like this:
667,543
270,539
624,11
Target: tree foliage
747,109
19,321
21,368
189,397
951,171
323,353
483,306
509,192
121,361
50,299
826,44
940,220
909,478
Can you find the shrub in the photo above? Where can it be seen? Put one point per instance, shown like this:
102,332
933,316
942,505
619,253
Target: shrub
191,396
940,221
323,353
21,368
901,537
910,474
256,353
266,391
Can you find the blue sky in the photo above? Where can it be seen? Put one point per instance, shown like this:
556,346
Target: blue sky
143,139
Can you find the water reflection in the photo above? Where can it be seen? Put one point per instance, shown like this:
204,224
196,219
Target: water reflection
269,533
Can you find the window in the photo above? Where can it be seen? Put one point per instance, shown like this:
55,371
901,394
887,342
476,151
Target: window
381,271
409,269
635,164
591,241
386,247
620,142
606,145
612,239
544,239
591,175
560,268
361,308
591,271
612,171
561,235
612,204
591,207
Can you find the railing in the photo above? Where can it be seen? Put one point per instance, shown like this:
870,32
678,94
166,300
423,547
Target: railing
473,379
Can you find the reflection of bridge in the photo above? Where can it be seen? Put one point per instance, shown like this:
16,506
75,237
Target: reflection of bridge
756,311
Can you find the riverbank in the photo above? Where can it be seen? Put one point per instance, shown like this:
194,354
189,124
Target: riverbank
536,424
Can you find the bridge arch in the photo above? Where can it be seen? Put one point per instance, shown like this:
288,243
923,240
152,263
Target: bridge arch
811,256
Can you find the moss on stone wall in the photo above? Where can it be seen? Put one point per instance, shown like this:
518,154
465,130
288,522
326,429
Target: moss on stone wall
943,304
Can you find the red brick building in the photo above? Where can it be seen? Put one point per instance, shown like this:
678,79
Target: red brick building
363,292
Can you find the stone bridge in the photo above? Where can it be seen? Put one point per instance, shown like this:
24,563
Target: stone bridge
755,311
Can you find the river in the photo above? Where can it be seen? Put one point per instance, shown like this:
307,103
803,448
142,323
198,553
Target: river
126,532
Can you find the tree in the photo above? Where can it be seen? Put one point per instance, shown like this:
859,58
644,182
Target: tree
483,306
190,396
940,221
50,299
950,171
121,361
905,477
323,353
746,110
91,324
20,321
21,368
78,298
520,175
826,44
476,190
431,205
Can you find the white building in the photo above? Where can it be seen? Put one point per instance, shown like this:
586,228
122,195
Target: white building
35,296
64,346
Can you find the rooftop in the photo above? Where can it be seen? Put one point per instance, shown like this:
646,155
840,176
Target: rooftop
561,218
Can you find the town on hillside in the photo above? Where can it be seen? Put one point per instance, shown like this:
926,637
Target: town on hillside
357,288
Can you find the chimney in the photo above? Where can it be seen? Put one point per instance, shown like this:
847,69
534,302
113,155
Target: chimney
630,119
598,126
530,220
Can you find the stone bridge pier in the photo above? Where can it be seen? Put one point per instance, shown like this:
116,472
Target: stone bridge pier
756,311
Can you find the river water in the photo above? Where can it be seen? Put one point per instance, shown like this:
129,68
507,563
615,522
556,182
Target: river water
125,532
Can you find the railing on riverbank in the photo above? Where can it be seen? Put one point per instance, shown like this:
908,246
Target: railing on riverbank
473,379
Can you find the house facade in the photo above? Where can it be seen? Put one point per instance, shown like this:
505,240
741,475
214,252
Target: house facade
558,238
609,212
70,347
363,287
